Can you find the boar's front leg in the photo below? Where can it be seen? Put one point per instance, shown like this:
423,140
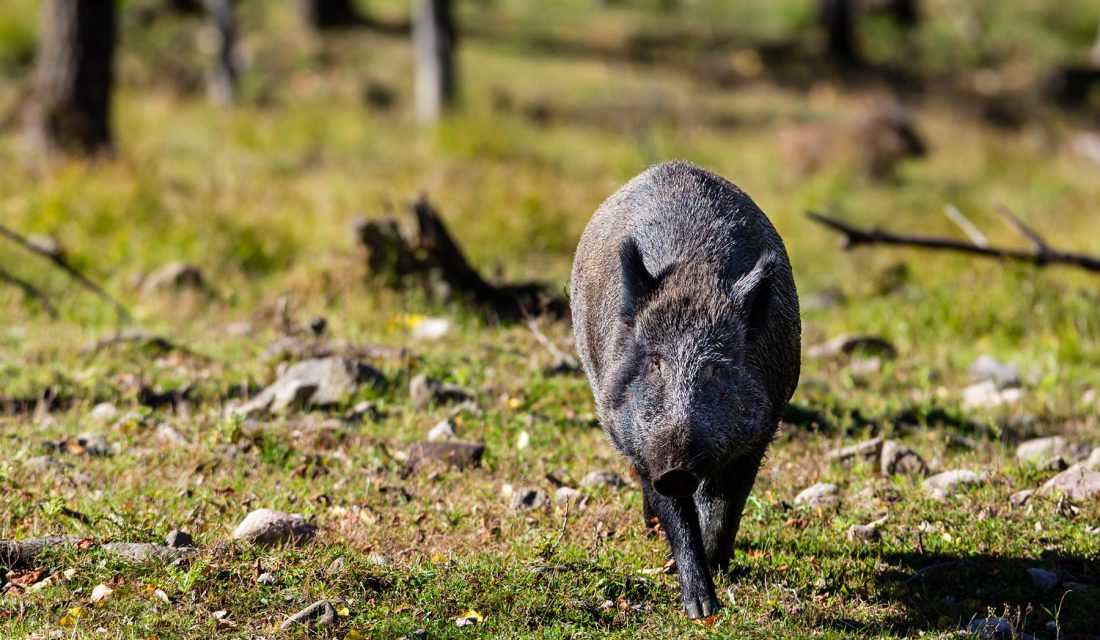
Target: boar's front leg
681,524
720,503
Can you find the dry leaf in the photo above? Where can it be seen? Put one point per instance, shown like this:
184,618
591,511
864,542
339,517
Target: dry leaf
27,577
100,593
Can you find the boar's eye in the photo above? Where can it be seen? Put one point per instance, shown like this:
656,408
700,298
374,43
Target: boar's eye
717,370
655,364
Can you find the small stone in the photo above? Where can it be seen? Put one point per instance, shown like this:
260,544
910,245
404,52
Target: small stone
265,578
866,449
167,434
567,494
460,455
1054,463
1093,461
142,552
986,395
1076,483
174,275
104,412
270,527
179,539
899,460
990,629
949,483
863,533
1032,451
865,344
317,382
1021,498
424,390
336,567
988,368
316,615
526,498
43,464
603,479
865,366
443,430
1042,579
430,328
819,496
95,445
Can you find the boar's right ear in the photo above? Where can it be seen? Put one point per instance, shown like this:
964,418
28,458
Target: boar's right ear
638,283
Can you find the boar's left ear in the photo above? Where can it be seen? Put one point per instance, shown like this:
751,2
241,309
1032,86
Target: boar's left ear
639,284
754,293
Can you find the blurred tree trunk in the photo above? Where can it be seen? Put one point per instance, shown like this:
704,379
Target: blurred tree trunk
434,40
837,17
70,106
330,14
223,80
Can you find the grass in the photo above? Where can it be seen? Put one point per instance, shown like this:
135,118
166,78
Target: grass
262,197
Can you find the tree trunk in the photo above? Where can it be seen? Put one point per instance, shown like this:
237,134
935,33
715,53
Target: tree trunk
434,39
223,79
838,19
71,105
330,14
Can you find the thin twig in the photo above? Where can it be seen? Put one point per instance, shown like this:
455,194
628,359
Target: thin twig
564,360
855,237
976,236
1017,225
64,265
30,291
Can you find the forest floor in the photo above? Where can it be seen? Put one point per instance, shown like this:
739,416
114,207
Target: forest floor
128,441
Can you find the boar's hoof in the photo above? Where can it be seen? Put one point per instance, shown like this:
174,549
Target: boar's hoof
702,607
676,483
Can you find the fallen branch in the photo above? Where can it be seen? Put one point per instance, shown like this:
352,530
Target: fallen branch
58,260
563,362
1040,255
142,339
431,253
30,291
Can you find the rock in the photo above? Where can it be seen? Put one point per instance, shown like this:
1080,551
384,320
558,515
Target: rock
443,430
819,496
865,366
603,479
1021,498
988,369
899,460
1076,483
316,615
430,328
174,275
460,455
990,629
179,539
863,533
1055,463
43,464
986,395
1092,463
335,568
265,578
103,412
866,449
167,434
526,498
270,527
322,381
1032,451
424,390
868,345
1042,579
567,494
142,552
949,483
94,444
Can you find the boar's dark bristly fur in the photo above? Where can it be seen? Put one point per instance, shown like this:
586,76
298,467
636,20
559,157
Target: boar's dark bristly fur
686,318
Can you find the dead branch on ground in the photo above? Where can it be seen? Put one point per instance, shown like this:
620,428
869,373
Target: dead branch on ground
30,291
1041,253
430,254
59,261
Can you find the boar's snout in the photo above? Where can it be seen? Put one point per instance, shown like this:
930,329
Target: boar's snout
676,483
